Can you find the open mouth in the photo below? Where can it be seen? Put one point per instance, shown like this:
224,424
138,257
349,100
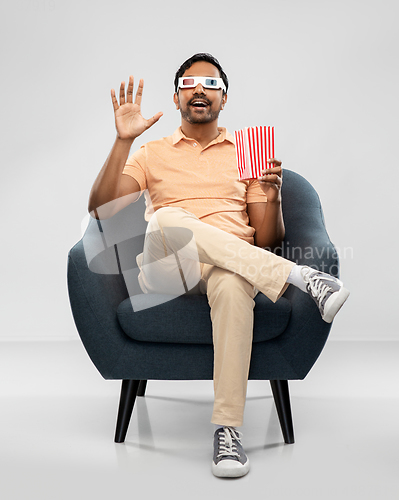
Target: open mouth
199,104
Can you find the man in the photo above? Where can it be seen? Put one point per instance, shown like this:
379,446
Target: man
193,187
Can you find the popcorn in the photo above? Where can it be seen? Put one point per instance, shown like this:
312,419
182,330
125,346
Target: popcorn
254,146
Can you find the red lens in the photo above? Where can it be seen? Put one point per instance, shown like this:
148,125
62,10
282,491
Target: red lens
188,81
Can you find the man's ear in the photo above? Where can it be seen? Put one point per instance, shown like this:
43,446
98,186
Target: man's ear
176,100
224,100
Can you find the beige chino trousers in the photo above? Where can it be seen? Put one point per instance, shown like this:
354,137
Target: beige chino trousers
184,255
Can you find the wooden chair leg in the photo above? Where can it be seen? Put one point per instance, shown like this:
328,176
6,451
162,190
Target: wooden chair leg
128,397
281,397
142,387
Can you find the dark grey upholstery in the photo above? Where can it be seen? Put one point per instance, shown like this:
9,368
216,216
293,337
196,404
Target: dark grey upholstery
140,325
172,341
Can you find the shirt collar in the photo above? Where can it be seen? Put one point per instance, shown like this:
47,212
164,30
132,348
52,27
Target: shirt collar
224,136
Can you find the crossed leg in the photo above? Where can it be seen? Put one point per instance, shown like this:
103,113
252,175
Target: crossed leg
178,241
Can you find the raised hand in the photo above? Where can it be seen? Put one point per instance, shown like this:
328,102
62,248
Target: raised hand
129,121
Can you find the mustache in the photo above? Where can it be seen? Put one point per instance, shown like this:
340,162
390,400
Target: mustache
199,96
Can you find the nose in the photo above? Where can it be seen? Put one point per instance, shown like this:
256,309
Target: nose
199,89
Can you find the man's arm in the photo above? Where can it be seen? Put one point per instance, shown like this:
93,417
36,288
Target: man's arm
110,185
267,218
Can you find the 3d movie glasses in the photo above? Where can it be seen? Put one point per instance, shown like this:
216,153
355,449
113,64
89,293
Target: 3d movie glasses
207,82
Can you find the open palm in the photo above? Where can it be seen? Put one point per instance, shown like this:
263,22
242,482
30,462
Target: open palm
129,121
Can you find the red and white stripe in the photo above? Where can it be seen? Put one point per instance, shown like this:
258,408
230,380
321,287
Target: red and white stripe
254,146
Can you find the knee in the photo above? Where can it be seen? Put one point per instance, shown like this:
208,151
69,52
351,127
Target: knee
174,223
163,217
165,210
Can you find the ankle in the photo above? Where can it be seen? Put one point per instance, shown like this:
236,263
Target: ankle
296,278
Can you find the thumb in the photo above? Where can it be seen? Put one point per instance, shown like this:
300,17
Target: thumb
154,119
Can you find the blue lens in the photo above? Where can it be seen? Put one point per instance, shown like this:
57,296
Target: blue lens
211,82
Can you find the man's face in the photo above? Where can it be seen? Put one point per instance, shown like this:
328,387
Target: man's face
200,105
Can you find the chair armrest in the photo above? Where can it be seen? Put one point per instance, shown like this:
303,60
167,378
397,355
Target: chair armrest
94,299
306,243
306,239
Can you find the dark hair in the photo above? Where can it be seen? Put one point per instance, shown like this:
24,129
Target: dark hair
201,57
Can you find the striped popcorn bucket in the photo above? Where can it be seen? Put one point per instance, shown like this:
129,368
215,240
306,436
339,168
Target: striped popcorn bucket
254,146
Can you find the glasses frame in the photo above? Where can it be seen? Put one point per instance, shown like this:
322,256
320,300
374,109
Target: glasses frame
203,81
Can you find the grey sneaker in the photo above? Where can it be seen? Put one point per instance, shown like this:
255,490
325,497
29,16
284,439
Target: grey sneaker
229,458
328,292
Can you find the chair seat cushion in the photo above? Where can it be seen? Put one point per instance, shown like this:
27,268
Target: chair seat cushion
186,319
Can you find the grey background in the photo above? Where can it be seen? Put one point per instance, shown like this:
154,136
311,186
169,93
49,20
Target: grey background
325,74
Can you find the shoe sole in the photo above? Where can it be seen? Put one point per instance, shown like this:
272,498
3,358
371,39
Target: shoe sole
229,468
334,304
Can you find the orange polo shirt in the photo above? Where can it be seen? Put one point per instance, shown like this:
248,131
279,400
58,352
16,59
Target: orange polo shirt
177,172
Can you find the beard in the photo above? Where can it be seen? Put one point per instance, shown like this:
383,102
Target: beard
206,115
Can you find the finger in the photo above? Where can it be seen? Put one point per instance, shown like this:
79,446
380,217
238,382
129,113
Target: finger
271,179
153,120
272,170
114,100
139,93
122,94
275,161
129,93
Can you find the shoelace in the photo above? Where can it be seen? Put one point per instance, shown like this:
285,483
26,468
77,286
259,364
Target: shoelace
318,289
226,445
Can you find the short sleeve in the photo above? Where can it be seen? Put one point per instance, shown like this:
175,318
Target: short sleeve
255,193
136,167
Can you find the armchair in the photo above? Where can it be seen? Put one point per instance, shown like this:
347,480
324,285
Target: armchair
136,337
